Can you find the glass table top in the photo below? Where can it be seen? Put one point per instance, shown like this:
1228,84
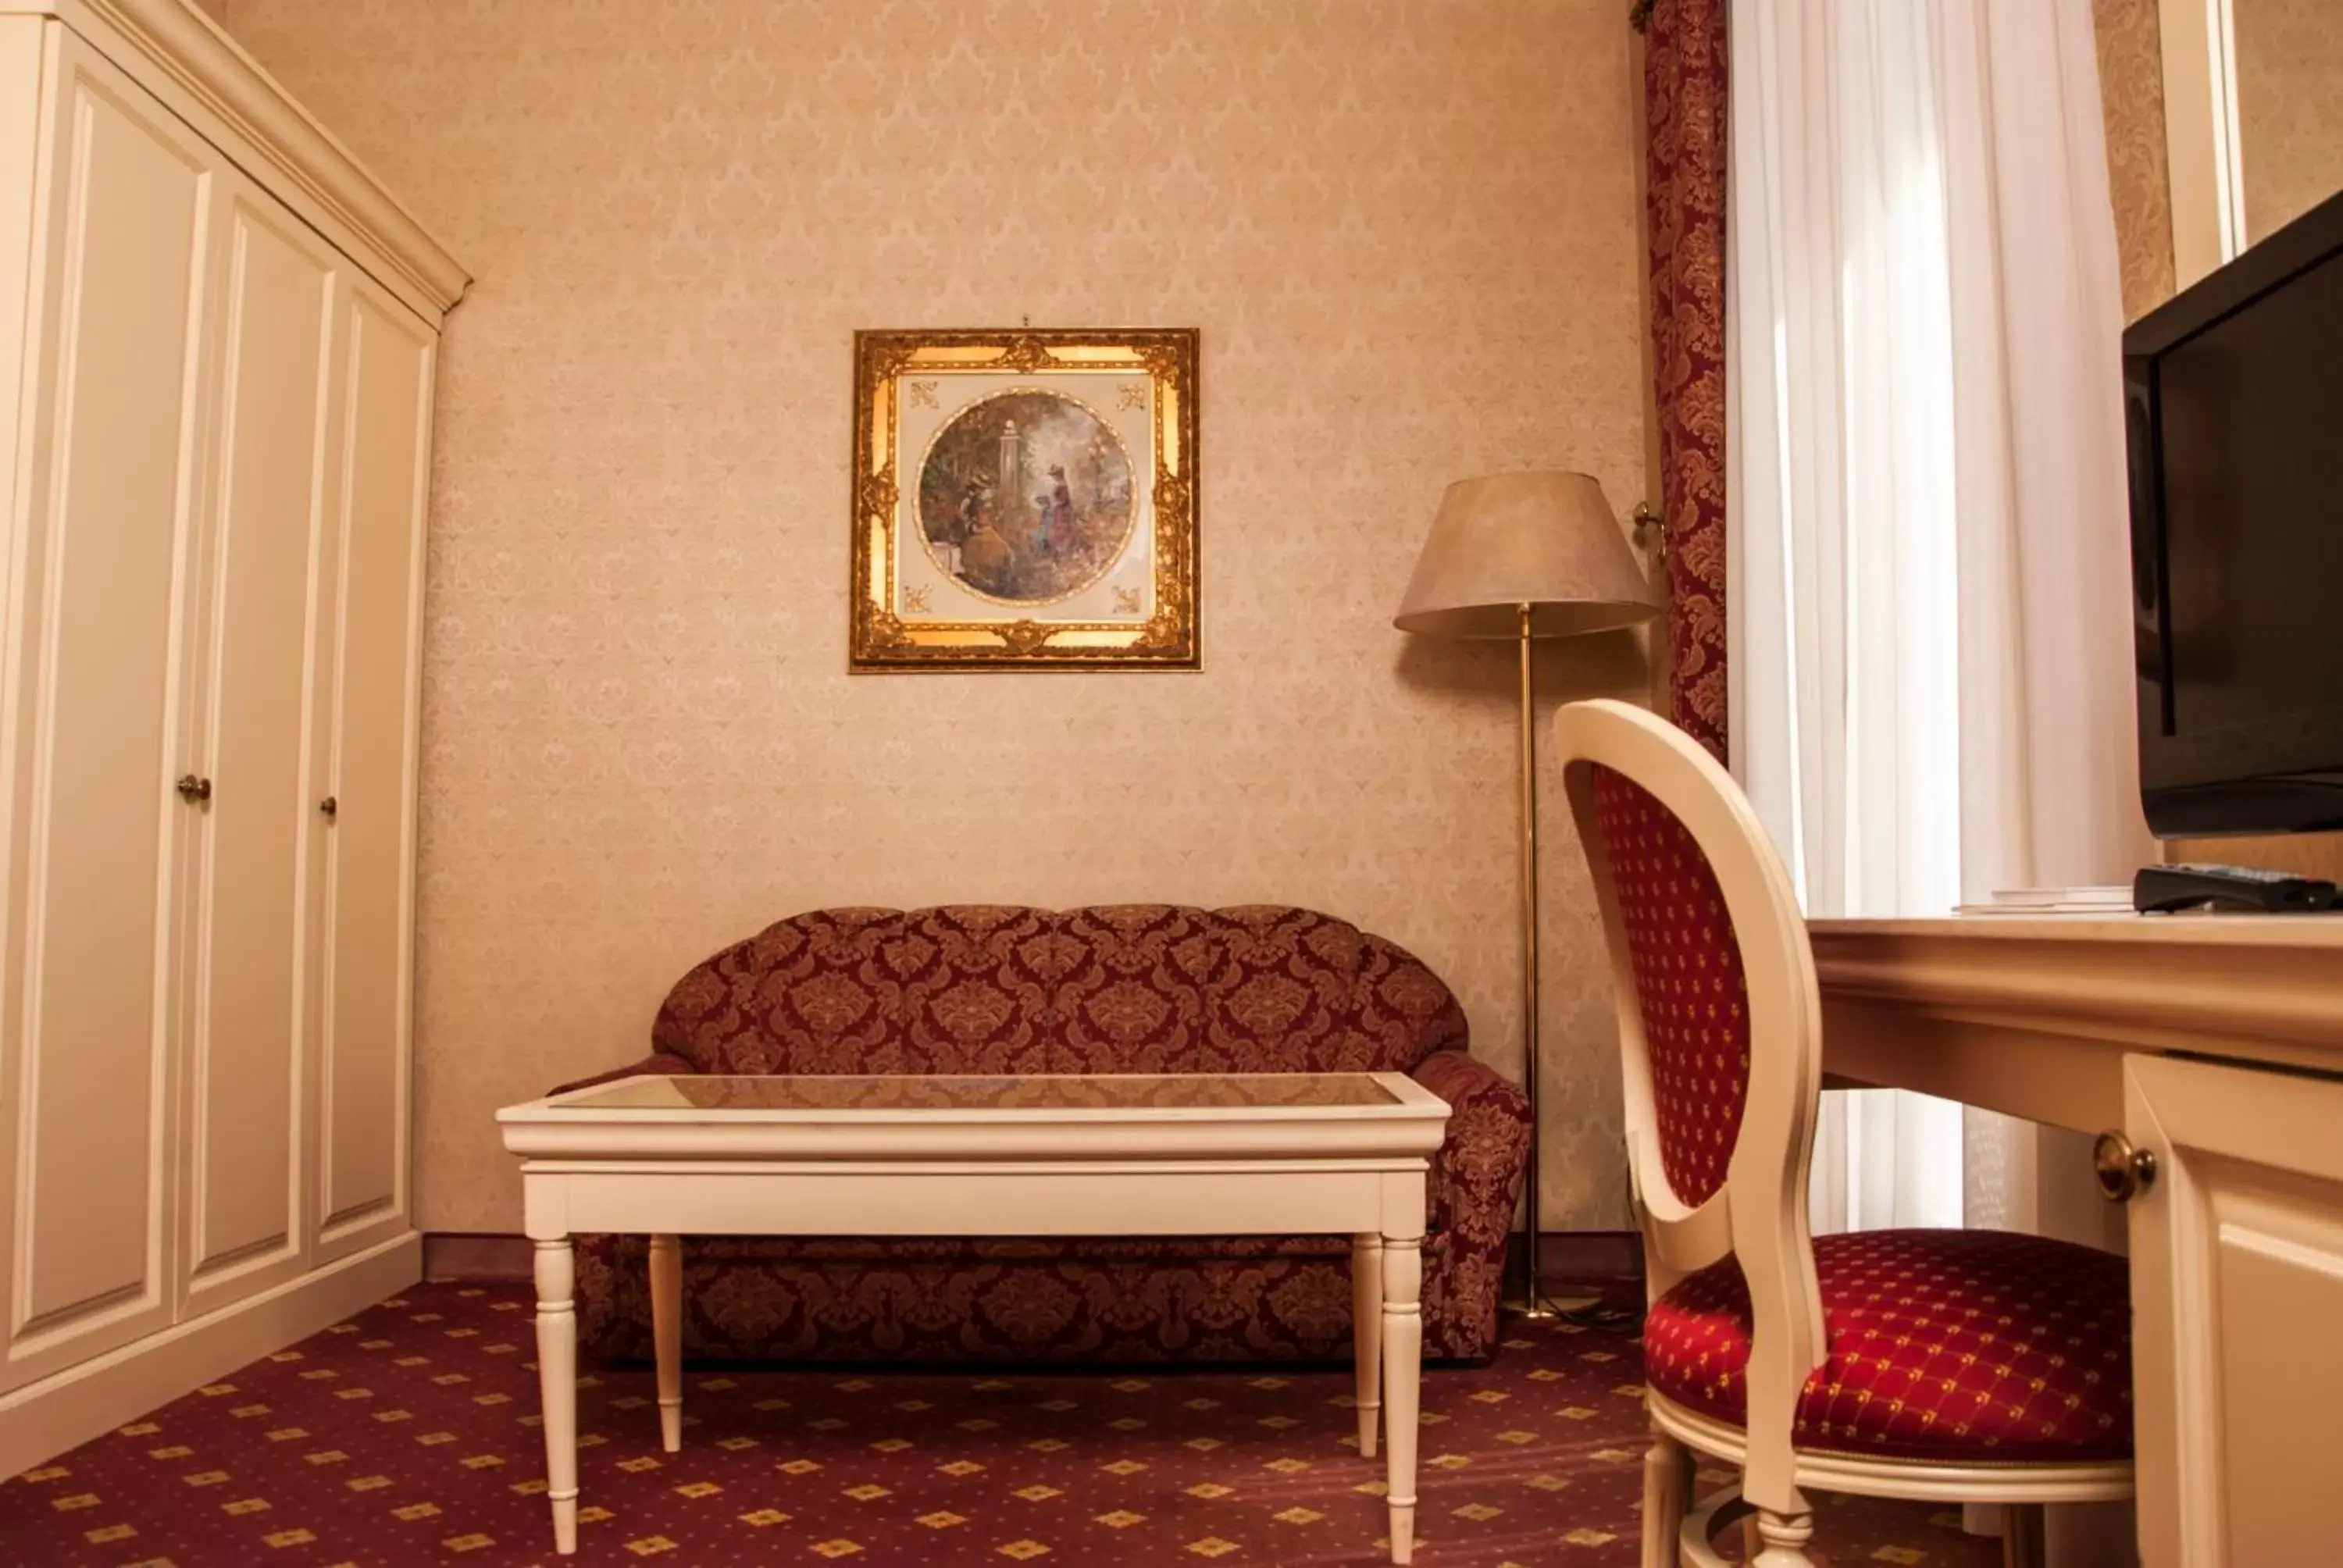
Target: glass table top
1214,1092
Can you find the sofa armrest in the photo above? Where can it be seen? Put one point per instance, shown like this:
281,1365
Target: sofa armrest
1476,1175
657,1062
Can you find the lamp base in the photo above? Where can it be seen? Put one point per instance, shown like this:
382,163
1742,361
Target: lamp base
1537,1294
1536,1299
1541,1305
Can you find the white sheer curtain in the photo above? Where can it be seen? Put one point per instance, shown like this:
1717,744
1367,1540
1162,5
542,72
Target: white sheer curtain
1928,568
2049,772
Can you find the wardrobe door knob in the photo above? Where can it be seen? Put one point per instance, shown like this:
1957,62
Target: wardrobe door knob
194,792
2123,1171
330,807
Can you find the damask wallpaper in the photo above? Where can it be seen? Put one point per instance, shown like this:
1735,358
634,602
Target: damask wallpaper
2131,92
2289,64
1408,235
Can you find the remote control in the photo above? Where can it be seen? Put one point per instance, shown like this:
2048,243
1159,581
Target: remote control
2161,889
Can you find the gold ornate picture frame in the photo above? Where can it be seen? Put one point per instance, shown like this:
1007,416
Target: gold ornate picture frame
1025,499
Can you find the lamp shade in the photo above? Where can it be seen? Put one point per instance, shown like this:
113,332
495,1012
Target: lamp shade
1541,538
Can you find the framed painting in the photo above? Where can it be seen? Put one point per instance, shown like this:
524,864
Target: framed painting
1025,499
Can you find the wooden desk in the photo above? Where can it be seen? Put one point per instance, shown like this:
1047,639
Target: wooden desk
2034,1016
2214,1045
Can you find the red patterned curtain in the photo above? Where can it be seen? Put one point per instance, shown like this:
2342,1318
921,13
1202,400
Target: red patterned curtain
1683,99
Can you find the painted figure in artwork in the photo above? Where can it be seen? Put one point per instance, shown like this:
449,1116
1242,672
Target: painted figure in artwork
977,475
1061,506
982,560
954,534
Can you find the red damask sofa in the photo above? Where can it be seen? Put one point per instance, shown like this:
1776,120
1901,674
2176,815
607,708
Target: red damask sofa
1126,988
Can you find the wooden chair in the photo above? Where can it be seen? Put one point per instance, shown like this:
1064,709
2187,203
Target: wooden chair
1958,1366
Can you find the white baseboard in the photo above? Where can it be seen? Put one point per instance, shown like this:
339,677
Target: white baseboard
67,1409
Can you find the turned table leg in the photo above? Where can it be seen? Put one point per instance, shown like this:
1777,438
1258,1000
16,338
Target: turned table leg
556,1383
1403,1317
667,1336
1367,1333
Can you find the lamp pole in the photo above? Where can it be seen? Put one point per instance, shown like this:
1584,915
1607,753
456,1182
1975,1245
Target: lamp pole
1534,1303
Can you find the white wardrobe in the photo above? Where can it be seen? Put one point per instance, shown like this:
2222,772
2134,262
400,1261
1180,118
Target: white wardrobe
217,340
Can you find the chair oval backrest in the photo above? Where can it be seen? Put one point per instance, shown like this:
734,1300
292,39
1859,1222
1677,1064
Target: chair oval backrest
1691,995
1719,1031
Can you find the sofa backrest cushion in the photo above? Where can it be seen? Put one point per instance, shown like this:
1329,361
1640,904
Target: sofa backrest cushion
1132,988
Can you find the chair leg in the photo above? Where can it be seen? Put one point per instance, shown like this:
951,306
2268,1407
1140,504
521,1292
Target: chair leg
1667,1489
2021,1536
1784,1538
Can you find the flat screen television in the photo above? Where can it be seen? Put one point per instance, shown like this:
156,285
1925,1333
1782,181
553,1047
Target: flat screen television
2234,415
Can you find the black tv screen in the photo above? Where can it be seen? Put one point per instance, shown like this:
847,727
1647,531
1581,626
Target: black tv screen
2233,393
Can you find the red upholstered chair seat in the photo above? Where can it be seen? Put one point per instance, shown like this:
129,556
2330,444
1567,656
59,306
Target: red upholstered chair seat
1946,1345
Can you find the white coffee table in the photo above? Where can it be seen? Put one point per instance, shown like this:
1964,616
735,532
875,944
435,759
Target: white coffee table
1122,1155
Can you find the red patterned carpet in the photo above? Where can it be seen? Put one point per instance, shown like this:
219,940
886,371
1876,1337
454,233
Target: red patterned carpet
409,1436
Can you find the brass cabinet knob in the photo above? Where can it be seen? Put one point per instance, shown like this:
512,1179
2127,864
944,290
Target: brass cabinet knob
194,792
2123,1171
330,807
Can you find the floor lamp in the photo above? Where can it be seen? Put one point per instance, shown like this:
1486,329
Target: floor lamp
1520,557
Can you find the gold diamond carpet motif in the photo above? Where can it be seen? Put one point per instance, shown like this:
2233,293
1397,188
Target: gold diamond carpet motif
781,1465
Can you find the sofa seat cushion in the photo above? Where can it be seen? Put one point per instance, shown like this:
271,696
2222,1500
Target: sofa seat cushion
1957,1346
1011,1301
911,1252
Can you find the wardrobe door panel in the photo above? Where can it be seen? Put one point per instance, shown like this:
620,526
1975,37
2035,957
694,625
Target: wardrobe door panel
95,669
247,1126
364,1092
